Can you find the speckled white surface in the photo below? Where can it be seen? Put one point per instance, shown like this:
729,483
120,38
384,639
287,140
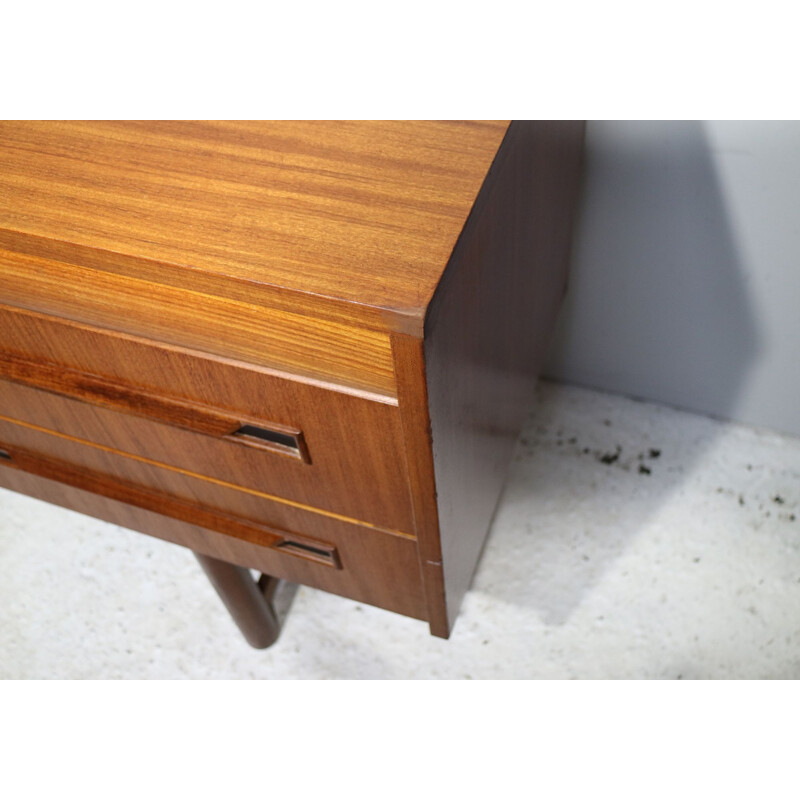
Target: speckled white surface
592,570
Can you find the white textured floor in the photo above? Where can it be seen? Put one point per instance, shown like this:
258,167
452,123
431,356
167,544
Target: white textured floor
633,541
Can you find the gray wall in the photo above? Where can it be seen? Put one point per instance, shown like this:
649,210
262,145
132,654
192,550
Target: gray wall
685,284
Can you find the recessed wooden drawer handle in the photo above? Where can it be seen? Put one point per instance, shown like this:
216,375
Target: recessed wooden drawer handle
315,552
287,542
256,436
195,417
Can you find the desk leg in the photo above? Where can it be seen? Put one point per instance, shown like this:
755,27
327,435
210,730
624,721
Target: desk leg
248,602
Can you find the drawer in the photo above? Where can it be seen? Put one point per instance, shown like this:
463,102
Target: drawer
295,544
179,312
237,424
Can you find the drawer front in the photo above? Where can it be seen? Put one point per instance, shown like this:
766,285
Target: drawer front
210,417
273,335
294,544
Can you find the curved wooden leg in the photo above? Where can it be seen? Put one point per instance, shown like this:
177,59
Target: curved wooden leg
248,602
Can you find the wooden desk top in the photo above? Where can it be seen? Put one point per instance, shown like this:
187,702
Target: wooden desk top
300,215
305,348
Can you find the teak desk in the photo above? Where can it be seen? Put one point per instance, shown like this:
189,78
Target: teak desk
305,348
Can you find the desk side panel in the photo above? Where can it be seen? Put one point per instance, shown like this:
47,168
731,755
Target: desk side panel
487,330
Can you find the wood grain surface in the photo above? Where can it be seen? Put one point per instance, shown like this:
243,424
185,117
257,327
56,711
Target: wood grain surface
409,359
127,448
385,288
366,212
161,408
305,346
487,330
196,512
385,571
355,445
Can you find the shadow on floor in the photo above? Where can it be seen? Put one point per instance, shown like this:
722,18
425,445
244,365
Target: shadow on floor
658,301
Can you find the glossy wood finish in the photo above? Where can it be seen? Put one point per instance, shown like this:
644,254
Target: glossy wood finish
381,570
381,291
179,484
319,349
366,212
413,394
198,513
487,329
245,600
354,444
140,402
131,358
